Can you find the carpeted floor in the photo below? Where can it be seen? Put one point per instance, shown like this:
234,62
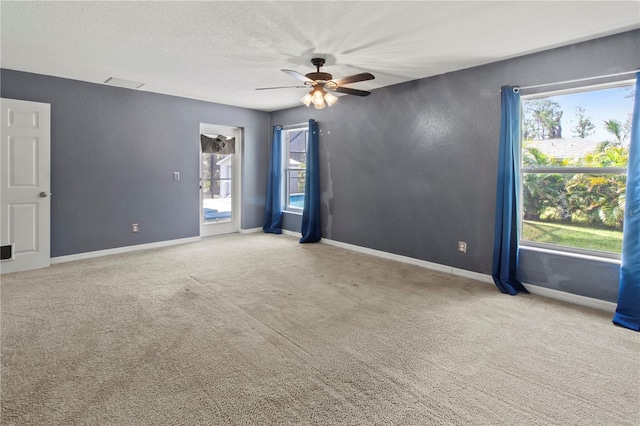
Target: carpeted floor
258,329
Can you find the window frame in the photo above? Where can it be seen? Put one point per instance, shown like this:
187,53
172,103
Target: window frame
561,249
286,169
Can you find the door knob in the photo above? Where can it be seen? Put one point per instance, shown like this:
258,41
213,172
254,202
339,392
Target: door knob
43,194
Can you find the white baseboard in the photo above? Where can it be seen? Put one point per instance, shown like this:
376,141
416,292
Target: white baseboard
563,296
292,233
410,260
533,289
250,230
119,250
473,275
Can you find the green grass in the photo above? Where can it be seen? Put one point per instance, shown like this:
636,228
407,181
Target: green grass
573,236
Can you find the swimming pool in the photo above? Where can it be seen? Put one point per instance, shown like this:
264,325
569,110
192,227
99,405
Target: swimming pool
296,200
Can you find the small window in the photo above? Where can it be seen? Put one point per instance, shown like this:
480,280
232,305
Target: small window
575,148
295,159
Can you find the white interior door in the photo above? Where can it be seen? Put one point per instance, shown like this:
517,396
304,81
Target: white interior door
220,185
25,185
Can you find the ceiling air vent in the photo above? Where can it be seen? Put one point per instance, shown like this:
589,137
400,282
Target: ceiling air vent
112,81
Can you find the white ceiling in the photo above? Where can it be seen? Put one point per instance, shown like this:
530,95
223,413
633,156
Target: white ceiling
222,51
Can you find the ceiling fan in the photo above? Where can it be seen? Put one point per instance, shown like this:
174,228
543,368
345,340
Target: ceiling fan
320,82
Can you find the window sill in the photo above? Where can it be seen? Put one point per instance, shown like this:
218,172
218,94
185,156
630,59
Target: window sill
570,254
298,212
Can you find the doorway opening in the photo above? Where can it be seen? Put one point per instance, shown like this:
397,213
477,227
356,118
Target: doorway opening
220,154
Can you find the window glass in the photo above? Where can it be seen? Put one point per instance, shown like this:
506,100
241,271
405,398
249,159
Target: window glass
216,187
295,167
575,149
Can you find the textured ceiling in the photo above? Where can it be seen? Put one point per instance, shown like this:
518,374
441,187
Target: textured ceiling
223,51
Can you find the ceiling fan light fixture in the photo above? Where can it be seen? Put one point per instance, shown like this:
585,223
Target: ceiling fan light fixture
306,99
330,98
319,81
320,104
316,97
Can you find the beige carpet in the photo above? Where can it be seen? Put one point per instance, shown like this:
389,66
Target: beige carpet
258,329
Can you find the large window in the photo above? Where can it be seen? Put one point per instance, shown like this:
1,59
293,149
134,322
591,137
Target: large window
295,159
575,148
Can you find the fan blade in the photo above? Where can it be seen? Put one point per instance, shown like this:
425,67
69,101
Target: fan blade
349,91
282,87
296,74
354,78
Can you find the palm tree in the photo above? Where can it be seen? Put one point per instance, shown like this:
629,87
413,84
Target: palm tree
614,127
543,192
600,198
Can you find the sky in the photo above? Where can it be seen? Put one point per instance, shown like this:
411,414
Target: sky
599,105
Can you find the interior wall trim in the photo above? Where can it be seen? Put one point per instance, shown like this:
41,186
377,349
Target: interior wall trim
249,230
120,250
563,296
410,260
589,302
294,234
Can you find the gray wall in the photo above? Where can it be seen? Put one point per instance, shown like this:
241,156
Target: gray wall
113,152
411,169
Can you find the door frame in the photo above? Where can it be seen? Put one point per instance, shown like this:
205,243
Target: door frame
233,225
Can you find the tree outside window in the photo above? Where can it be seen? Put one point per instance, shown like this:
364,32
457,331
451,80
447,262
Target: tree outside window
574,178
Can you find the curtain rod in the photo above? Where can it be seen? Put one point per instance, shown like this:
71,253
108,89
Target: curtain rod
293,126
578,80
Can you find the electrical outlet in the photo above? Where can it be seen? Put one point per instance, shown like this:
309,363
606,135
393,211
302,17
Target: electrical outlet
135,227
462,247
176,175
